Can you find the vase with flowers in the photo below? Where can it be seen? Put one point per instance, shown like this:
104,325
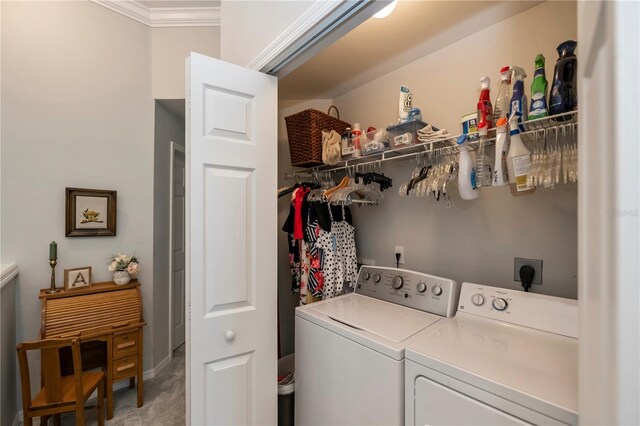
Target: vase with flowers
124,267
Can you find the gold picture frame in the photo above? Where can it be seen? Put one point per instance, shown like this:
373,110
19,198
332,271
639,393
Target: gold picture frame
77,278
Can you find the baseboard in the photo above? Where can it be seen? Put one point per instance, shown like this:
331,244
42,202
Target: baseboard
146,375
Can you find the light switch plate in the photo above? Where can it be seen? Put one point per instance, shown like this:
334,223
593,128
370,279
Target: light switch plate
519,262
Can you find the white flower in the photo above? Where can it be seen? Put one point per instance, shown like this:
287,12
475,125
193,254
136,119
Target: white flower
133,268
120,257
112,266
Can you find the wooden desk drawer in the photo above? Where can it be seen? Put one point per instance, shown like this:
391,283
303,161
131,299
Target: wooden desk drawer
125,344
125,367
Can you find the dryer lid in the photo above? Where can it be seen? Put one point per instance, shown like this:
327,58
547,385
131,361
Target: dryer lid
387,320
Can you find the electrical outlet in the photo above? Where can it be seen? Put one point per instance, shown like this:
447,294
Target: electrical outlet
399,249
519,262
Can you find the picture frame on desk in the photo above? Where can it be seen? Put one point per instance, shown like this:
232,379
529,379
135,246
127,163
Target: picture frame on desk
77,278
90,212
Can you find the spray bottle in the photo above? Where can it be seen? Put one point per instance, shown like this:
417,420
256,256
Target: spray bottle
467,172
538,91
504,94
519,98
518,160
485,110
500,169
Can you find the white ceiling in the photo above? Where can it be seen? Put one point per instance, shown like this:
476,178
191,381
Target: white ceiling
178,3
378,46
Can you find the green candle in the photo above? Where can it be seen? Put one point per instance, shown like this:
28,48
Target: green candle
53,250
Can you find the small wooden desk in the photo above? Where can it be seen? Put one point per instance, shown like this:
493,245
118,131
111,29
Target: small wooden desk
108,320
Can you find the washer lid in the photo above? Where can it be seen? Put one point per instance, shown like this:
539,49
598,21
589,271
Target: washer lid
387,320
530,367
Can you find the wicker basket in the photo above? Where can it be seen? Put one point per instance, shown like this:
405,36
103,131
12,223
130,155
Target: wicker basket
304,131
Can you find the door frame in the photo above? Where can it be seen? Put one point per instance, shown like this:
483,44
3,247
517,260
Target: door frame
174,148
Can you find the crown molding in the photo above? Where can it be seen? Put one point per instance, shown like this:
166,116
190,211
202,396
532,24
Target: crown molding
313,16
165,16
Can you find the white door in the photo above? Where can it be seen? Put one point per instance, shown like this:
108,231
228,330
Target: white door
231,244
177,245
609,211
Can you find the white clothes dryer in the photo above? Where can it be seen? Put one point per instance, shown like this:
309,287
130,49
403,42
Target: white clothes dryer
506,358
350,349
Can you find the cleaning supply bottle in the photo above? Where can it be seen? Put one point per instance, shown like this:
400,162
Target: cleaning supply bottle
405,104
504,94
500,168
519,98
518,160
483,163
466,172
357,144
485,110
539,91
564,90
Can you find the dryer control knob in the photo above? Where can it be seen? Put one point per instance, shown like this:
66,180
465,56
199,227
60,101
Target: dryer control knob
397,282
477,299
499,304
421,287
436,290
366,276
377,278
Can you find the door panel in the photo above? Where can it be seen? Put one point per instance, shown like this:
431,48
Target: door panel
177,247
231,241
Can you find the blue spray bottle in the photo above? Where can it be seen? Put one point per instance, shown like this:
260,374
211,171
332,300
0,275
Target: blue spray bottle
519,99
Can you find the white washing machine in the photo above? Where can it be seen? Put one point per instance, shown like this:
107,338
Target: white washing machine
506,358
350,349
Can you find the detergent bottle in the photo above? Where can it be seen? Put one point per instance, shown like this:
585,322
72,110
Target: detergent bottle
518,160
564,91
519,98
539,91
504,94
485,110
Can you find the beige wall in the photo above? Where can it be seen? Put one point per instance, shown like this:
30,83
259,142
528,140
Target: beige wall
77,89
77,111
250,26
169,48
472,240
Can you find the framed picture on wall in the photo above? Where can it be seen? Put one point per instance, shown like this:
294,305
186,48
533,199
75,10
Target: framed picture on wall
77,278
90,212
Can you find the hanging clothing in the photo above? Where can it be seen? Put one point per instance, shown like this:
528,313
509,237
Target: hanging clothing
322,254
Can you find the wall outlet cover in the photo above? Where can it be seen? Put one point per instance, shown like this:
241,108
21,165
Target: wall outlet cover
519,262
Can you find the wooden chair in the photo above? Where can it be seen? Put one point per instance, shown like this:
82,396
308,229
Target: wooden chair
59,394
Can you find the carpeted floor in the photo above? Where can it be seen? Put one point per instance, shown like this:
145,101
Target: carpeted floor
164,400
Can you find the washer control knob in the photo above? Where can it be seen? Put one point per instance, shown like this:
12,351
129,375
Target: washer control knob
499,304
421,287
377,278
436,290
477,299
397,282
366,276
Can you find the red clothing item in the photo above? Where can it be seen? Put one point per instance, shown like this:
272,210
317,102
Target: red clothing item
298,197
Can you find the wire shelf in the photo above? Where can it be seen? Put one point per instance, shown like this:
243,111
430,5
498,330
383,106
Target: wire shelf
559,127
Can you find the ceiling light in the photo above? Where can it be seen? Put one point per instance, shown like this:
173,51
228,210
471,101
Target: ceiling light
386,11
